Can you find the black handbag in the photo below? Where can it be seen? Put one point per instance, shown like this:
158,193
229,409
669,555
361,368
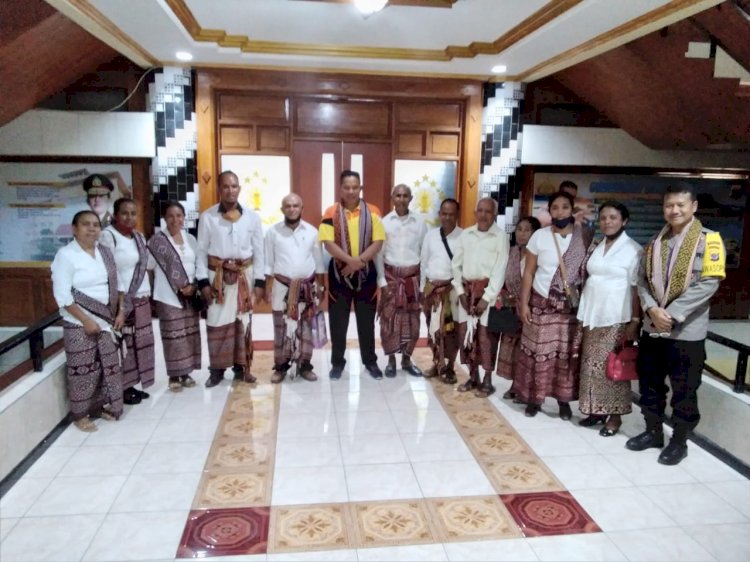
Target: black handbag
503,320
197,302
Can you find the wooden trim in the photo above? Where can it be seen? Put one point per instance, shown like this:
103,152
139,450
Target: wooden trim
598,44
17,372
95,22
550,11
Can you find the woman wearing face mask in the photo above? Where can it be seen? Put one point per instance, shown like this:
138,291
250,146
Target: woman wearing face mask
84,283
175,252
610,313
548,361
510,340
134,313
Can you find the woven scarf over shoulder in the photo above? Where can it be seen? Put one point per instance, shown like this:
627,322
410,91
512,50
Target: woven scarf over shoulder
669,276
341,234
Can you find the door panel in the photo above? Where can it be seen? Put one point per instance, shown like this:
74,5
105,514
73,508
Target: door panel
377,170
315,172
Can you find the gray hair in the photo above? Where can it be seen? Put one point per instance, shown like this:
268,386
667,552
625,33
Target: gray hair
401,186
495,205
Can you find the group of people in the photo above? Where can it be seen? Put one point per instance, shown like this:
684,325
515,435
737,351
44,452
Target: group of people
544,313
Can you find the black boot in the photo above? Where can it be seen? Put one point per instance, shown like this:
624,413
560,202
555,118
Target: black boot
677,448
215,377
652,437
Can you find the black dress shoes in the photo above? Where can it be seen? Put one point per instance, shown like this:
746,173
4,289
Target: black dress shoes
390,370
215,377
335,372
532,410
565,411
131,396
375,371
673,453
142,394
412,369
591,421
646,440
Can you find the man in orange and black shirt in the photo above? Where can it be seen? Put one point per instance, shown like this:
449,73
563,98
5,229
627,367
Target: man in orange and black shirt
352,234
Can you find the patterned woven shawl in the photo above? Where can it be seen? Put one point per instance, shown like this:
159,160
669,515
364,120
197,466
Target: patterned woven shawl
676,270
106,312
169,261
342,239
138,274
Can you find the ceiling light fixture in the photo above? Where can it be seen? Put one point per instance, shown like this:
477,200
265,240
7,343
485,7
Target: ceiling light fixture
499,69
369,7
183,56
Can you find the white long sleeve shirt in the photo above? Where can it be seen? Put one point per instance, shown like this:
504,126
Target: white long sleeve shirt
74,268
435,262
240,240
481,255
403,242
293,253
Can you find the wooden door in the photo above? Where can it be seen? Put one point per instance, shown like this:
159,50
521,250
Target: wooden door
316,166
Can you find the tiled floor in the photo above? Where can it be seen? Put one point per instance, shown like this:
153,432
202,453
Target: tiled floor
357,469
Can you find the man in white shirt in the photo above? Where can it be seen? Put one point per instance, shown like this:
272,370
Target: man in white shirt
440,298
294,279
229,270
399,280
479,263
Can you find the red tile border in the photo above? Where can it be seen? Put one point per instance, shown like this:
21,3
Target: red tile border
222,532
549,513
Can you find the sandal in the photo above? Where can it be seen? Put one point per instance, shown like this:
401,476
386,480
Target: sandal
509,395
107,415
609,431
592,420
85,424
532,410
188,381
175,385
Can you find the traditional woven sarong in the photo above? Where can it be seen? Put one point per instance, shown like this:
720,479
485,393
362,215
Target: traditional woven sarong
510,344
442,333
229,318
138,336
399,310
181,339
478,345
292,328
598,395
548,362
93,376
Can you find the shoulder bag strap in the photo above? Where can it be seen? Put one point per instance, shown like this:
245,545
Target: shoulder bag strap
445,243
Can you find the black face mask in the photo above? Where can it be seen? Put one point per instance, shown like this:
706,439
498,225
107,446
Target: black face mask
616,235
562,223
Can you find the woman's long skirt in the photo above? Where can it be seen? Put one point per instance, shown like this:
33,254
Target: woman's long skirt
138,363
599,395
181,339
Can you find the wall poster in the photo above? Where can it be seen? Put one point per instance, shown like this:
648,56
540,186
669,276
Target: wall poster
430,181
721,203
38,201
264,182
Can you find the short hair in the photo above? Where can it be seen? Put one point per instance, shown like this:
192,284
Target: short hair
401,186
567,183
681,187
349,174
534,222
622,209
123,201
555,196
495,205
79,214
452,201
226,173
288,195
169,204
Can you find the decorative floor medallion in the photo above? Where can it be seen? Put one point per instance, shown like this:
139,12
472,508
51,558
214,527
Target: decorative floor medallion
310,527
549,513
222,532
472,518
393,523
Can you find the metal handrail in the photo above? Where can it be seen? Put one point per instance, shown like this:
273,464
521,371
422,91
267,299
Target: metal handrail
34,334
743,351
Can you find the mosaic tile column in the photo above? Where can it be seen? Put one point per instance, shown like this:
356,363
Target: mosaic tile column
173,171
501,150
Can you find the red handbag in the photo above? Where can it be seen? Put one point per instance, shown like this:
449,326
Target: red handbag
621,364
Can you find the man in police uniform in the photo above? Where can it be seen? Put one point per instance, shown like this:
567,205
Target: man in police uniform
681,270
98,188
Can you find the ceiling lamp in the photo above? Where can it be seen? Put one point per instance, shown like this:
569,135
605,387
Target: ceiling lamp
183,56
369,7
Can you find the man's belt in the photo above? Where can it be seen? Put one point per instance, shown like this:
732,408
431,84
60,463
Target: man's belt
229,272
300,290
474,289
406,282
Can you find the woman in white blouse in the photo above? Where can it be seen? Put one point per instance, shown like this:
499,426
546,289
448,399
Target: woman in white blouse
610,313
174,287
134,314
84,283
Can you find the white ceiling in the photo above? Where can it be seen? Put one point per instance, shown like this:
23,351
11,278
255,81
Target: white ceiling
314,35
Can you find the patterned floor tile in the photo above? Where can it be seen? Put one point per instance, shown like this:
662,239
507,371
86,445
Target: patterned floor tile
239,489
221,532
310,528
496,445
246,427
393,523
264,405
549,513
236,455
472,518
474,420
463,400
521,474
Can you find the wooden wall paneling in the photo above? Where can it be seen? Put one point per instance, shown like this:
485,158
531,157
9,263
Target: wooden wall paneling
429,115
444,145
468,165
273,140
244,108
410,144
28,295
240,137
207,157
344,119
